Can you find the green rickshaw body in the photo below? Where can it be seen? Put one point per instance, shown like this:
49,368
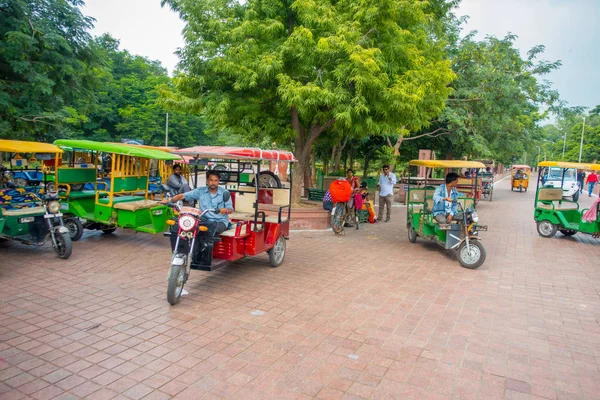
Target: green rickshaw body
124,203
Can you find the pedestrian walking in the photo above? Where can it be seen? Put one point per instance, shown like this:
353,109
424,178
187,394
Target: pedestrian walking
580,180
386,183
592,179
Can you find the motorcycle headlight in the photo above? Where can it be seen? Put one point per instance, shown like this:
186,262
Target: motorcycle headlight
187,222
475,217
54,207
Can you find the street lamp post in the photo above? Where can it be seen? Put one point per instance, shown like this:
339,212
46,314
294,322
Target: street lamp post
564,145
538,159
581,144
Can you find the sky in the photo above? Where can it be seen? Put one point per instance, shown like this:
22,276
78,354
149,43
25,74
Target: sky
568,28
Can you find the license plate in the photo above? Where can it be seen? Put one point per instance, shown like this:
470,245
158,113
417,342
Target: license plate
64,207
25,220
158,212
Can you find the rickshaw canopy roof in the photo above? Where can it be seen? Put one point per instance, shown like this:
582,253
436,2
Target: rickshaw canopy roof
18,146
236,153
564,164
117,148
521,166
447,163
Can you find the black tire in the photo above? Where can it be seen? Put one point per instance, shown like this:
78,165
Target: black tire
176,283
108,231
64,246
511,189
75,228
491,193
567,232
224,174
267,179
50,187
412,235
576,196
337,218
277,253
521,189
546,229
475,258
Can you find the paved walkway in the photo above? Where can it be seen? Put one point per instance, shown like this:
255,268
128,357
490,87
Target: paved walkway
368,315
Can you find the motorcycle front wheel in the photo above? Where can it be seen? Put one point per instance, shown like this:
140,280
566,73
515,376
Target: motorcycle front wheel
176,282
64,246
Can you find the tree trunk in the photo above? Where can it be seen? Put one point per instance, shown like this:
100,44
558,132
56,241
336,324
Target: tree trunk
303,146
313,169
339,151
333,153
366,166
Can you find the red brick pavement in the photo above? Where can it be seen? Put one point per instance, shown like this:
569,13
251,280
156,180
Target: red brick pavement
368,315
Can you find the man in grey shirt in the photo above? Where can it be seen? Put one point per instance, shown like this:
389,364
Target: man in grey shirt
177,183
386,183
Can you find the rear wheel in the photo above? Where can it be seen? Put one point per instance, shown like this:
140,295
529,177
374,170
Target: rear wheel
64,246
520,188
546,228
473,256
277,253
337,218
568,232
412,235
175,285
75,228
491,192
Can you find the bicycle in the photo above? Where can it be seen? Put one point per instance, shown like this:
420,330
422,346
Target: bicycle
341,215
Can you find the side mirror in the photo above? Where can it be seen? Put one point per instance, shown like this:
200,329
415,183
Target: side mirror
226,196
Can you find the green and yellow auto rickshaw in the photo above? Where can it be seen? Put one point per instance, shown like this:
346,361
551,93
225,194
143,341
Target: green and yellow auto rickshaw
28,214
461,236
553,211
121,199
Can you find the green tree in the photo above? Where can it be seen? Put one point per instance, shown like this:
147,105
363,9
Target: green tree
127,103
290,70
48,67
495,107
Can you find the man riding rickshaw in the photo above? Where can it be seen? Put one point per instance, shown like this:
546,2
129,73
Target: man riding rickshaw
520,177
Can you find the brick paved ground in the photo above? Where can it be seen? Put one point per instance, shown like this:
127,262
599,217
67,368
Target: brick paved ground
368,315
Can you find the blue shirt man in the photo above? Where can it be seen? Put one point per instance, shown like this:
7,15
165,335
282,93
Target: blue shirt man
445,206
211,197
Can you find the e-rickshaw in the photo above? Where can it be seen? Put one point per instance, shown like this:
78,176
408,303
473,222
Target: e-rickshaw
519,177
260,222
29,214
461,236
487,179
553,212
122,201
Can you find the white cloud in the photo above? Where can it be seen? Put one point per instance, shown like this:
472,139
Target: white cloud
142,26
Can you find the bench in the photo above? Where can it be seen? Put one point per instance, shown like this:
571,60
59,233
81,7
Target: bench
552,199
135,205
316,194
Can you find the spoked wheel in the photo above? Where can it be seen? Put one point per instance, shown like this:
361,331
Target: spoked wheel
75,228
412,235
338,219
176,282
568,232
546,228
21,182
64,246
267,179
473,256
277,253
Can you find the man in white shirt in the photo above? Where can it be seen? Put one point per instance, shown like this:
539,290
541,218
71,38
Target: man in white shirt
386,183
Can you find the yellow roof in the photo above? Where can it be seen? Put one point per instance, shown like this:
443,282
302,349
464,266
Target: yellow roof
18,146
521,166
564,164
447,163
